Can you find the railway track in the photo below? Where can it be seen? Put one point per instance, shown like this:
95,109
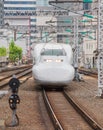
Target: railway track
8,74
6,69
19,74
88,73
66,113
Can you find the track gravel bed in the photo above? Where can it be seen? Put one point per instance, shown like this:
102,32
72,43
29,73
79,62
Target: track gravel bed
29,110
86,94
66,114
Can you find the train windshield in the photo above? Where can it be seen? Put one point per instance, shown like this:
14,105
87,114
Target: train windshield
53,52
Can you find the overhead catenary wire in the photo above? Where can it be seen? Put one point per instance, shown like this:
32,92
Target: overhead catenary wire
86,15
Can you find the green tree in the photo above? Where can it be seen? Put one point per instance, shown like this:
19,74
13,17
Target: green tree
15,52
3,51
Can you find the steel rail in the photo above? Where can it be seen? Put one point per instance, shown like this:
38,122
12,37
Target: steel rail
13,68
56,122
82,112
89,73
17,76
19,71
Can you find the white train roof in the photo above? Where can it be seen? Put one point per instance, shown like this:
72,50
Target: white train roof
51,46
39,47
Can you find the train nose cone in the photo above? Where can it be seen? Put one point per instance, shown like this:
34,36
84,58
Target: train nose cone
52,74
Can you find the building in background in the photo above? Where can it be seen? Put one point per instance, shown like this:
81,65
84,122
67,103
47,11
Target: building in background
86,30
34,21
42,2
46,31
1,12
20,16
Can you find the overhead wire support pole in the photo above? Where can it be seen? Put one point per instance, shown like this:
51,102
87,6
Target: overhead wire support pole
76,41
75,15
76,48
100,48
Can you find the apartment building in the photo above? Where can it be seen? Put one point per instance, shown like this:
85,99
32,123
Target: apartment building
20,15
1,12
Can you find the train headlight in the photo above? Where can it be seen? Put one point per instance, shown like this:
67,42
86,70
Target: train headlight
10,101
48,60
58,60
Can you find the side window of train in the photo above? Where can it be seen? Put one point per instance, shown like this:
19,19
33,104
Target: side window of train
59,52
47,52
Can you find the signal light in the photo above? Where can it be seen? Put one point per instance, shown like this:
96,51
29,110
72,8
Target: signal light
11,101
18,101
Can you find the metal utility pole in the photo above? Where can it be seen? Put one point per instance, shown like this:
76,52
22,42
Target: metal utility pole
100,48
76,48
1,13
15,30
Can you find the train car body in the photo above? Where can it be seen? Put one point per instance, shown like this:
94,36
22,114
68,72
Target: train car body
53,64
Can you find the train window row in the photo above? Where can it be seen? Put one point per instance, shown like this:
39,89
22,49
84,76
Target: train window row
54,52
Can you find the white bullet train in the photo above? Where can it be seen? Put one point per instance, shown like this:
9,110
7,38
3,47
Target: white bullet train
52,64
